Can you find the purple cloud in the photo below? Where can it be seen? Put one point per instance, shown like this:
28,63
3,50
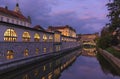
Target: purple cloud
80,14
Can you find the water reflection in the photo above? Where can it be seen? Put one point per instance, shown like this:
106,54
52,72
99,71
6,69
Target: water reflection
49,69
62,67
106,66
89,51
90,66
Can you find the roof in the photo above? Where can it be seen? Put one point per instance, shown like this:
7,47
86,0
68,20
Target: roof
38,27
26,28
60,27
13,13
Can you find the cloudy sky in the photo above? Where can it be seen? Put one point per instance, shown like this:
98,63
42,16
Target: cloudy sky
86,16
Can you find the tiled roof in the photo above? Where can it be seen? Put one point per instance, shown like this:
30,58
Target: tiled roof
12,13
38,27
60,27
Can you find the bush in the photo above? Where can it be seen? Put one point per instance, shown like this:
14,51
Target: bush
104,42
113,52
114,40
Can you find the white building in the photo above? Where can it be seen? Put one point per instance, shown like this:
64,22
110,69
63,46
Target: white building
19,40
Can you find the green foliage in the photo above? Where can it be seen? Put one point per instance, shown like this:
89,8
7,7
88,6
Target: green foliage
107,38
114,14
114,52
104,42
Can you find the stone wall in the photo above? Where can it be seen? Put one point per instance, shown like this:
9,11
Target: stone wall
18,48
115,62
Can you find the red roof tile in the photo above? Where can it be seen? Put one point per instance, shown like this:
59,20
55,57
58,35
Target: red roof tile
14,14
38,27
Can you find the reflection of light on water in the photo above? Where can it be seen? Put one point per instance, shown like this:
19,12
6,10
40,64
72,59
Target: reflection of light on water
89,51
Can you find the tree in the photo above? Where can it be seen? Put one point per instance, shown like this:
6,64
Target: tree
104,42
114,14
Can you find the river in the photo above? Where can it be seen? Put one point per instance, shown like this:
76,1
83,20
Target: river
88,68
68,66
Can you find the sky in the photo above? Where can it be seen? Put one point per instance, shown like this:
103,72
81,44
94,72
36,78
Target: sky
85,16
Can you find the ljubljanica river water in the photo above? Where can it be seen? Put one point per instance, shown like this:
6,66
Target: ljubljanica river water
85,66
90,65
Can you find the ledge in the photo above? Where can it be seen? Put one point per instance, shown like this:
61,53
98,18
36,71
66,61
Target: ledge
115,62
12,65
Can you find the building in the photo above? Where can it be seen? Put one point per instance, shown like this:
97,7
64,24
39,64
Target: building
14,17
87,38
19,40
65,30
38,27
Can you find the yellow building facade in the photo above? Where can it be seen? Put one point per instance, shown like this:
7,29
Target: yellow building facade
65,30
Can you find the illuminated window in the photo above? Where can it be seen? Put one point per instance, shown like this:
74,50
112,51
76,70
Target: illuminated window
44,68
57,47
26,36
25,77
36,37
50,38
44,38
44,50
26,52
57,37
10,35
10,54
37,51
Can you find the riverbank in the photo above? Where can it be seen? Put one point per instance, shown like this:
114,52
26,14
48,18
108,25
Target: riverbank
112,50
12,65
115,62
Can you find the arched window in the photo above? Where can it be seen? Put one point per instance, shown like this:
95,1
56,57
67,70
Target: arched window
10,35
26,37
36,37
50,38
26,52
57,37
10,54
44,50
37,51
44,38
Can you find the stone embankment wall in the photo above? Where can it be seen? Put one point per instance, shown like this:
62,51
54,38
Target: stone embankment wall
115,62
16,64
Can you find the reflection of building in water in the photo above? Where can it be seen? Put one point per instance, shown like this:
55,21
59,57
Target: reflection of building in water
50,69
89,51
88,38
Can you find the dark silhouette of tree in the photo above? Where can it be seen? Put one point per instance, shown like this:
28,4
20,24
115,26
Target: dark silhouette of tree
114,14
